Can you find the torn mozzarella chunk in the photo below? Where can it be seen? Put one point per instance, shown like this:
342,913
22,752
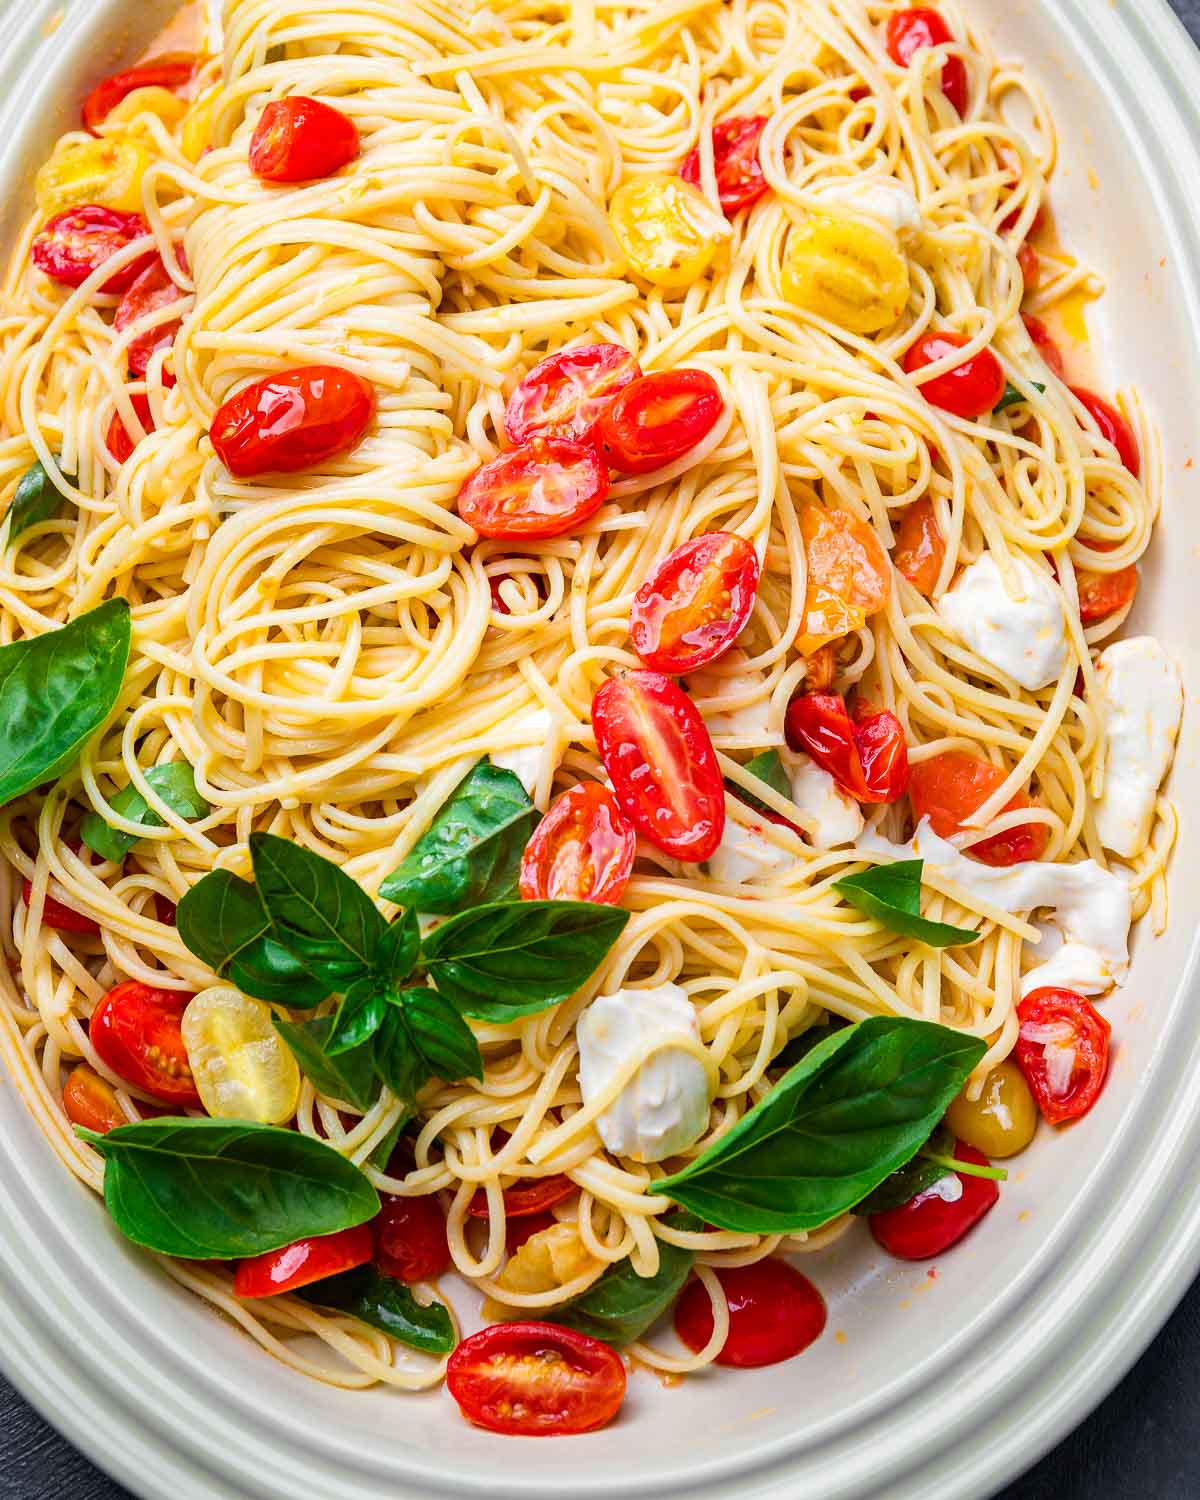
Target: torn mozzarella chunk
744,853
748,722
1142,704
1026,639
948,1188
525,761
880,198
835,818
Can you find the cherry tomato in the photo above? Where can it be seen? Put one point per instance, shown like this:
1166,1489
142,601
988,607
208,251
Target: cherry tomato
582,850
908,31
292,421
1113,426
120,441
74,243
536,1380
740,180
849,576
1043,342
300,140
89,1101
152,290
544,488
920,547
60,917
968,389
661,762
696,603
658,418
1062,1049
136,1032
666,229
927,1225
164,910
948,788
526,1198
518,1231
301,1264
1103,594
1031,266
410,1238
564,395
171,71
866,756
774,1314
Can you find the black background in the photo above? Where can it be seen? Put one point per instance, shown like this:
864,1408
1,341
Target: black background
1142,1442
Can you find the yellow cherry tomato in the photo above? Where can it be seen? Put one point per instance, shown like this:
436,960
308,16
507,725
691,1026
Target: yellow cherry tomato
152,100
549,1259
845,272
196,135
1002,1121
108,172
667,229
243,1068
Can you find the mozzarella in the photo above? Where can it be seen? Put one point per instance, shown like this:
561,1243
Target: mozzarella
664,1107
1142,703
1025,639
881,198
750,722
835,817
525,762
948,1188
744,854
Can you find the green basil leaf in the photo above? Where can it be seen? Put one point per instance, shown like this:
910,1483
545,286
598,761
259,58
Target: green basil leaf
800,1046
847,1116
621,1306
37,499
56,690
382,1154
174,782
398,948
768,767
397,1061
226,1189
471,853
359,1016
385,1303
516,957
1014,397
912,1178
892,895
443,1039
349,1077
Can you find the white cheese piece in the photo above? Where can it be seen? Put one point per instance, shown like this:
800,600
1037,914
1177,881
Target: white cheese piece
948,1188
526,761
1142,703
881,198
744,854
1025,639
836,818
665,1105
750,722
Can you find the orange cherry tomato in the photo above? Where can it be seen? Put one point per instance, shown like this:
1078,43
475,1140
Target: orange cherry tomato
61,918
658,418
301,1264
152,290
526,1199
1062,1049
582,850
774,1314
410,1238
172,71
136,1032
966,390
564,395
696,603
661,762
927,1225
89,1101
908,31
1103,594
301,140
849,576
920,547
1043,342
1031,266
867,756
544,488
740,179
76,242
292,421
120,441
1113,426
536,1380
948,788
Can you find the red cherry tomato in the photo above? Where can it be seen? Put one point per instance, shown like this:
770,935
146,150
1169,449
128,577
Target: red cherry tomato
908,31
927,1225
410,1238
136,1032
1043,342
740,179
292,421
301,1264
774,1314
968,389
1113,426
152,290
1062,1049
76,242
866,756
536,1380
1103,594
170,71
920,547
564,395
696,603
544,488
300,140
659,418
1031,266
120,441
582,850
526,1198
948,788
517,1231
661,762
89,1101
165,911
60,917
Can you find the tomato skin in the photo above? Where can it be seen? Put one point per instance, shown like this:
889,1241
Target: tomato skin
927,1225
170,71
564,395
949,787
119,440
774,1314
410,1238
136,1032
544,488
1103,594
301,1264
659,757
695,604
740,179
1044,343
517,1231
582,850
298,139
1031,266
61,918
1113,426
74,243
1087,1032
849,576
866,756
89,1101
291,421
908,31
967,390
659,418
526,1199
920,547
152,290
536,1380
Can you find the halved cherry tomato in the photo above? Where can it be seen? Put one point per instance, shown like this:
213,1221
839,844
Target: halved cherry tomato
136,1032
740,180
966,390
1113,426
536,1380
544,488
849,576
1062,1049
300,140
696,603
89,1101
152,290
1043,342
1103,594
60,917
659,418
564,395
661,762
526,1198
920,547
928,1224
866,756
410,1238
301,1264
774,1314
948,788
120,441
76,242
171,71
908,31
1031,266
582,850
666,228
292,421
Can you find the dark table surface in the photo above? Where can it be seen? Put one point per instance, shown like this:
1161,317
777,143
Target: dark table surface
1142,1441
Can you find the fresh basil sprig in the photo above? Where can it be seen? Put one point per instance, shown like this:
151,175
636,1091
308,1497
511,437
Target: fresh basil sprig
348,1077
36,499
768,767
892,895
1014,397
174,782
385,1303
621,1306
934,1161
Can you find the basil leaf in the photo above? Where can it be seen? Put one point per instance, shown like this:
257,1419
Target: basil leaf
359,1016
397,1061
517,957
471,852
56,690
439,1034
385,1303
621,1306
349,1077
382,1154
398,948
800,1046
768,767
1014,397
225,1189
892,895
912,1178
848,1115
37,499
174,782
